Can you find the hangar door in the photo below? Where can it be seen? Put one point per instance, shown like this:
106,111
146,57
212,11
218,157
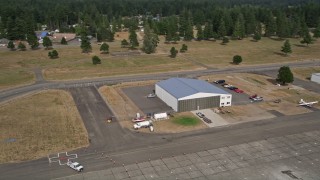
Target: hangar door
198,103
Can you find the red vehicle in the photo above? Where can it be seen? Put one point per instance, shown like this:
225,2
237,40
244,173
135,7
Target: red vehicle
253,96
141,119
238,91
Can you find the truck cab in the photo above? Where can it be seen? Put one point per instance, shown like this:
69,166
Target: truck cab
75,165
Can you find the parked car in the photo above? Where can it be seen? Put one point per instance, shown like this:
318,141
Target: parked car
207,120
201,115
152,95
232,88
220,81
258,98
238,90
227,85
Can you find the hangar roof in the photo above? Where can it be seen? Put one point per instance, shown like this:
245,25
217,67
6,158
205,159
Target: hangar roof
182,87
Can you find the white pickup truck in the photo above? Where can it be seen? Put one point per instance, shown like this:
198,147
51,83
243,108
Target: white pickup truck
143,124
75,165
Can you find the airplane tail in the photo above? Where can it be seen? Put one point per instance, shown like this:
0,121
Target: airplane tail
301,101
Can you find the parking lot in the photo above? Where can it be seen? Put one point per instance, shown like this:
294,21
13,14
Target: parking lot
237,98
138,95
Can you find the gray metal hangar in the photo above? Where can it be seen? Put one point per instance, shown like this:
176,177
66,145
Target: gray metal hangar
315,77
183,94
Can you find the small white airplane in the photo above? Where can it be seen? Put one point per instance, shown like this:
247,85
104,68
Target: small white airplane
309,104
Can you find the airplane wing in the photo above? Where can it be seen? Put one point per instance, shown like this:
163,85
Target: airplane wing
306,104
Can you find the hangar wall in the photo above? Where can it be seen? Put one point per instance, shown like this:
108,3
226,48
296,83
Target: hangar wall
167,98
315,77
198,103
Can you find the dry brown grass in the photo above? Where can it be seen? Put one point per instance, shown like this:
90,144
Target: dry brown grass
43,123
305,73
263,52
263,86
72,64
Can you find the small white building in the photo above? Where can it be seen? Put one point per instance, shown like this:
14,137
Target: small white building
315,77
160,116
183,94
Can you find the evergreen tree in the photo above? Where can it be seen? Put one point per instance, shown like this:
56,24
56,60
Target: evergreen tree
239,28
225,40
96,60
150,40
208,31
53,54
257,36
237,59
285,75
251,23
11,29
47,43
286,48
222,29
188,33
11,45
271,26
2,29
316,32
64,41
184,48
33,41
307,39
304,29
171,29
295,26
124,43
104,48
85,44
173,52
283,27
21,46
20,29
133,38
200,35
228,22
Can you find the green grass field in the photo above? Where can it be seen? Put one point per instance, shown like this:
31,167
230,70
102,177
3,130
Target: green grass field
186,121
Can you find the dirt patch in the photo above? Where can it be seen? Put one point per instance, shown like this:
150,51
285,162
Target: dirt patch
245,113
119,36
41,124
122,106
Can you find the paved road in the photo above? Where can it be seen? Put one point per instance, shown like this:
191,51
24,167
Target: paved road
155,147
12,93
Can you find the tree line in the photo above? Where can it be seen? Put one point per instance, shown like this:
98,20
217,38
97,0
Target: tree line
176,18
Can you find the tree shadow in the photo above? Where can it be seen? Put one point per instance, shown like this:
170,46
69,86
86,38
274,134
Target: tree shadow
280,54
300,45
276,38
272,81
234,63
